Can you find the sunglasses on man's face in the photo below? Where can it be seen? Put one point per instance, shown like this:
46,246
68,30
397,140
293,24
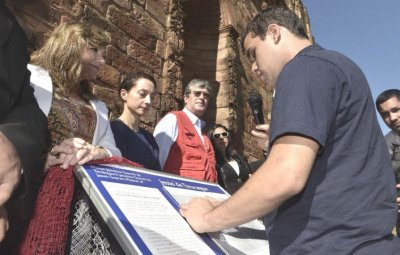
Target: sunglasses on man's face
223,134
206,95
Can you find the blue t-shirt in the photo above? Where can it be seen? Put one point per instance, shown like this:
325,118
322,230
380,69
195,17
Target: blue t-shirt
139,147
348,203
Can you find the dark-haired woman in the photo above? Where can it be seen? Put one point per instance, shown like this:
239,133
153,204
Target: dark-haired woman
233,170
135,143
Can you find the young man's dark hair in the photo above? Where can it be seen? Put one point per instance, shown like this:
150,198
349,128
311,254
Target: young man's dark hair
386,95
280,16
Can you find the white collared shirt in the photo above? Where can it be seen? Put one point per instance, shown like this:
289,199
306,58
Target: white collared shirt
166,132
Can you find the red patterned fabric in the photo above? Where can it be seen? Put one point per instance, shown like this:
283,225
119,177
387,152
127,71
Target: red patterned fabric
48,229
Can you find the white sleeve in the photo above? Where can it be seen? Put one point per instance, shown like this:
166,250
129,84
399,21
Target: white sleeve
165,134
43,87
103,135
108,142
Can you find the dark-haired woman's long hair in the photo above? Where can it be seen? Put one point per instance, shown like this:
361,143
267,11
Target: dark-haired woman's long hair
230,153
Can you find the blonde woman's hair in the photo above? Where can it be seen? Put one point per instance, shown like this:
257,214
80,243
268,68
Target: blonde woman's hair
60,54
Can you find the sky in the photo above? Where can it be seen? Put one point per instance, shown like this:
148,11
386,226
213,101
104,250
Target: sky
367,31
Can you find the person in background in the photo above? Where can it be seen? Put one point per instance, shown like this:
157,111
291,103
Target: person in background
23,134
135,143
232,169
185,149
388,106
64,221
328,171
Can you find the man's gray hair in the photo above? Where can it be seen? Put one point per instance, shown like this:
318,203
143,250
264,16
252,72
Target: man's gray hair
198,83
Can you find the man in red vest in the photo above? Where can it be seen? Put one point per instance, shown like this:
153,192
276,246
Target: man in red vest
185,149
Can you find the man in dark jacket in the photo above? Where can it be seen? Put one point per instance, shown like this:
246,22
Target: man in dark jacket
23,132
388,106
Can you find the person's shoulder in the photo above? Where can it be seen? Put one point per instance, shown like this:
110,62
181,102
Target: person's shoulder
322,57
99,105
168,119
392,136
116,124
145,132
319,65
173,114
5,27
240,157
98,102
149,137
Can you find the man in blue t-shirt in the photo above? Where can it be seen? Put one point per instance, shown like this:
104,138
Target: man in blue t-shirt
328,172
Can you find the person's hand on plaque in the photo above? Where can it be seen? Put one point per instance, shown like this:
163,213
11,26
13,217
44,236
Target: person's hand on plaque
195,211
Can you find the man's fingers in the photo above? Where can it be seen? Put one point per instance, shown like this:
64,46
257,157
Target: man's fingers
182,211
83,156
214,202
69,146
6,190
86,159
62,148
75,142
195,210
10,168
3,223
73,159
259,134
54,161
78,142
183,206
8,182
262,127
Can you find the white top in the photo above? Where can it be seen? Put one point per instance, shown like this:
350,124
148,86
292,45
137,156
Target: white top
234,164
166,132
43,91
43,87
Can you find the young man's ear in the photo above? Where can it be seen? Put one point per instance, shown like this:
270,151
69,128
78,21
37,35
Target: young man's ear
274,32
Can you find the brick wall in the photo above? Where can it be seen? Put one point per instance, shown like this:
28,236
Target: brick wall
175,41
137,29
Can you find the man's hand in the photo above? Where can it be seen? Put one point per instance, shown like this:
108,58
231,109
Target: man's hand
10,172
195,212
10,169
3,222
398,198
261,135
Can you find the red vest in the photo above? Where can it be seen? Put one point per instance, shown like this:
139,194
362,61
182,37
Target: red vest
188,156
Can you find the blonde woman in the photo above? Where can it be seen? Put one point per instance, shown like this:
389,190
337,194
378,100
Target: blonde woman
80,132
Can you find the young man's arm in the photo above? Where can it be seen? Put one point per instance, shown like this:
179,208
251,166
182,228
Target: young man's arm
283,175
